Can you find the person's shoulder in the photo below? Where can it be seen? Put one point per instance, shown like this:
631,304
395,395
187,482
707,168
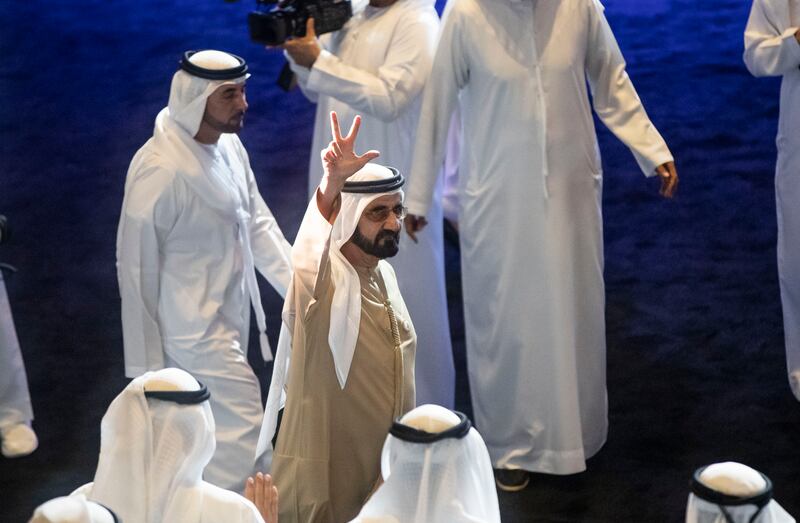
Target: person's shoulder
151,168
230,505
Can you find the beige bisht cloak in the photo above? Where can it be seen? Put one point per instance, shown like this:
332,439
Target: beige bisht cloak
327,459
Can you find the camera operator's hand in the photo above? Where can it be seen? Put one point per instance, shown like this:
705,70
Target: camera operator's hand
304,50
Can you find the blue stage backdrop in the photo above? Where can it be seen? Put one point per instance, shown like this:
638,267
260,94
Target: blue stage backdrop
696,371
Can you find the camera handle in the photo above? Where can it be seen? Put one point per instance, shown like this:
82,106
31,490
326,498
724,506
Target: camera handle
287,79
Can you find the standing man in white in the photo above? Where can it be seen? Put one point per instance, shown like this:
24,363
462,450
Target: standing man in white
772,48
530,188
376,66
16,412
192,233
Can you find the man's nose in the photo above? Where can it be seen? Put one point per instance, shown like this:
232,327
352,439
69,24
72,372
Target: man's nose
243,103
393,223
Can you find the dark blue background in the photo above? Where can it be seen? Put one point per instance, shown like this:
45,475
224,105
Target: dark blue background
695,343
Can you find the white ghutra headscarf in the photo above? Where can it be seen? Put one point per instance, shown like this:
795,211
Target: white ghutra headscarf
436,469
733,493
155,440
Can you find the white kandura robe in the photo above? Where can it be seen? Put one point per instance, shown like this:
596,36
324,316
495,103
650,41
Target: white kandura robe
15,398
530,214
771,49
184,297
376,66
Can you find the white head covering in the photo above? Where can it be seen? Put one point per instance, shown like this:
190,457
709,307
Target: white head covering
346,305
72,509
153,451
447,479
730,492
188,94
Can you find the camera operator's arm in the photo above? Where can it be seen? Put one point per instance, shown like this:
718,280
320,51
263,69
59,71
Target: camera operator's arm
771,47
385,92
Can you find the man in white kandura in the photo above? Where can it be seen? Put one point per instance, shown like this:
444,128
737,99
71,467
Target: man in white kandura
530,224
733,493
156,438
349,371
376,66
772,48
435,469
192,232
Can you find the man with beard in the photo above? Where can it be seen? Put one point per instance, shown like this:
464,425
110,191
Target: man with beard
192,232
352,342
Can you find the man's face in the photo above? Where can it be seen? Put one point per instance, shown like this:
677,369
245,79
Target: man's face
378,229
225,109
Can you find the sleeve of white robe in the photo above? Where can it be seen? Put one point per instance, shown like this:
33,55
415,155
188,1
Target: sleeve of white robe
449,74
150,211
271,251
310,254
385,93
770,47
615,100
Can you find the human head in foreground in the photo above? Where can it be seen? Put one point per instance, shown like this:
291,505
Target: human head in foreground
436,469
730,492
72,509
158,434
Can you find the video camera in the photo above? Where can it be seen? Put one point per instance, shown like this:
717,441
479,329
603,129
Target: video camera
273,26
4,231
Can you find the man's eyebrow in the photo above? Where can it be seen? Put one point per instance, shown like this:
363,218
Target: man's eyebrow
379,208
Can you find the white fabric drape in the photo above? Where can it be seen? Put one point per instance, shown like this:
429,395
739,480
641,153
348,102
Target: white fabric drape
449,481
152,456
71,509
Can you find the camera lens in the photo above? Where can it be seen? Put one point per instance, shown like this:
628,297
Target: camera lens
268,28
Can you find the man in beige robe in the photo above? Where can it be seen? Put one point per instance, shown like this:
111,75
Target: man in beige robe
353,344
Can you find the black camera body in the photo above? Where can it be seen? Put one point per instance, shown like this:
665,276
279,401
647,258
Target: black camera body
288,19
4,231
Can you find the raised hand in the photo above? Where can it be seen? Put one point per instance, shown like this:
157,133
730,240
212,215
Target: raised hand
264,495
339,162
339,159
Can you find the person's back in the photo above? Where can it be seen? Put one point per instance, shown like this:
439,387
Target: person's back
158,434
436,469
